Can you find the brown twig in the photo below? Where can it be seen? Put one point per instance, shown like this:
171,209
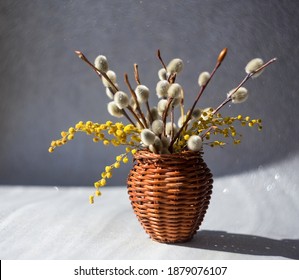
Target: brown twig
214,127
172,123
127,116
165,113
182,105
98,71
194,104
137,79
103,74
151,119
136,74
135,116
220,58
135,99
247,77
161,60
171,78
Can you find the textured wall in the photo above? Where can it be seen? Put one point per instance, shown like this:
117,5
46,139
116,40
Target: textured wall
45,88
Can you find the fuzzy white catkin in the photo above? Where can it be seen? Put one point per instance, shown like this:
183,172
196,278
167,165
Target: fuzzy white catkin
153,149
174,90
162,74
239,96
109,92
165,141
112,76
162,88
114,110
142,93
203,78
157,146
154,113
138,125
169,127
194,143
121,99
147,136
162,104
181,120
158,142
133,104
175,66
157,127
175,102
253,65
196,114
165,151
101,63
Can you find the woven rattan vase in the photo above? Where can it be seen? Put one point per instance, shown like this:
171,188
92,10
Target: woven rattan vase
170,194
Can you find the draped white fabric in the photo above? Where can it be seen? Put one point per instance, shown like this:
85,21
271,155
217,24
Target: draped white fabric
253,215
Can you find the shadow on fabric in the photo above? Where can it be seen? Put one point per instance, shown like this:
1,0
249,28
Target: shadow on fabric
244,244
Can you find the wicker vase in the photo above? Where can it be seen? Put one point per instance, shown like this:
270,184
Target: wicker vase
170,194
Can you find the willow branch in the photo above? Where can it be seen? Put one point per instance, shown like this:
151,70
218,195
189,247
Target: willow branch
135,99
104,75
165,113
136,74
161,60
98,71
193,106
247,77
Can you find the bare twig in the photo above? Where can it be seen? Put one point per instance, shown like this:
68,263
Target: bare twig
151,119
214,127
161,60
172,123
136,74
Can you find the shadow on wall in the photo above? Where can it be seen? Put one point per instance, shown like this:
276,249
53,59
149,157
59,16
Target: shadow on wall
245,244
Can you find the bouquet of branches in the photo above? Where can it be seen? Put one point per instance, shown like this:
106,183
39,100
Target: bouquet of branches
155,128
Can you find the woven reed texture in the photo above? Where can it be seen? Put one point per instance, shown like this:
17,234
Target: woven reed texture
170,194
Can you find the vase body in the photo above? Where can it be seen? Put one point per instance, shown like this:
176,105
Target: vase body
170,194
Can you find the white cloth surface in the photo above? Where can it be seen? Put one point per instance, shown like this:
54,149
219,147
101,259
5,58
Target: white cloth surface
254,215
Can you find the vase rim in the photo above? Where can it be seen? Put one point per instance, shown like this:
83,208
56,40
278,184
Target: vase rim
150,155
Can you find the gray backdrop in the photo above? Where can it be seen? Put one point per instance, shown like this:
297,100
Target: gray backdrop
45,88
